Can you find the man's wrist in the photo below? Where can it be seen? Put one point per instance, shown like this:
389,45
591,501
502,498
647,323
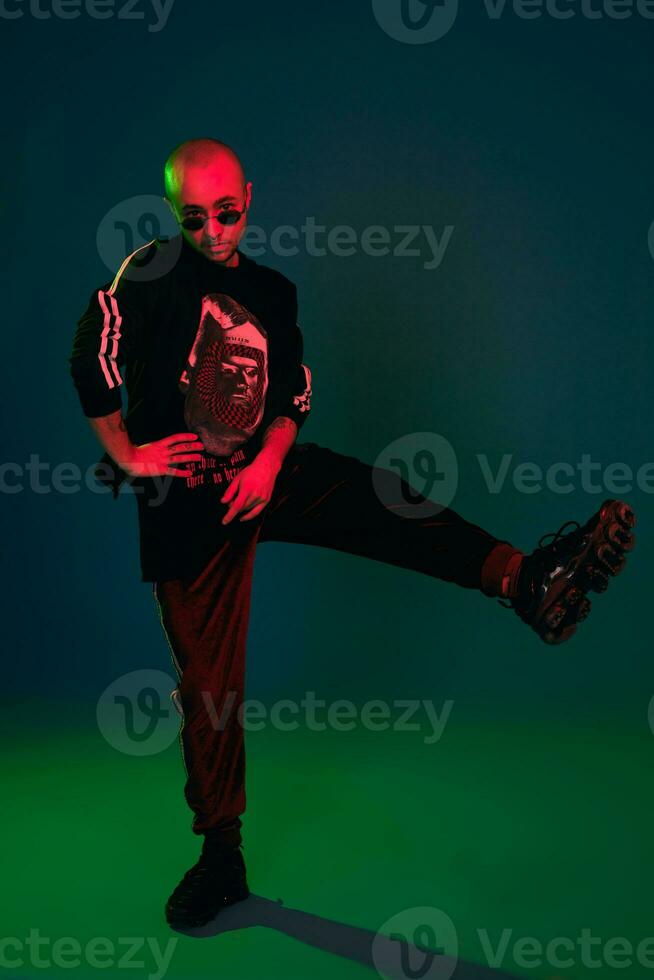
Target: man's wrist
112,433
126,456
277,441
271,456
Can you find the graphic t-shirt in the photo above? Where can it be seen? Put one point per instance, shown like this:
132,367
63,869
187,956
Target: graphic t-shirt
205,349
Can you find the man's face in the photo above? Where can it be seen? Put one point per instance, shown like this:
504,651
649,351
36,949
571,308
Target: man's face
237,378
205,191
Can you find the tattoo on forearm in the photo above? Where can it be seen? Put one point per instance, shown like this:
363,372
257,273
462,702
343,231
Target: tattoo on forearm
281,422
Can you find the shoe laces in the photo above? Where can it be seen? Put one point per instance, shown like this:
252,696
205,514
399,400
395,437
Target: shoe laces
556,536
546,551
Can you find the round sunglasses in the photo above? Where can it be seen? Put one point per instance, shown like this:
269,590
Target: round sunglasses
230,216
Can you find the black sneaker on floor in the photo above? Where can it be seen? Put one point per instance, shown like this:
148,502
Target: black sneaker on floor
214,882
554,579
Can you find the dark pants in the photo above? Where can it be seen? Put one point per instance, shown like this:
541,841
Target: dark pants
323,498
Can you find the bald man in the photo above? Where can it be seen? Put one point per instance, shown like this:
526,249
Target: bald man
194,169
218,390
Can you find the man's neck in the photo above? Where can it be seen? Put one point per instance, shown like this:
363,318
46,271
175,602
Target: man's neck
232,262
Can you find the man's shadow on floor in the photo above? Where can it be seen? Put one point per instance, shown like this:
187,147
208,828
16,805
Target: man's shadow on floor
392,958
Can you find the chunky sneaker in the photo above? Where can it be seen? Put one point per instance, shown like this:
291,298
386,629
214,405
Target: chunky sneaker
218,879
554,579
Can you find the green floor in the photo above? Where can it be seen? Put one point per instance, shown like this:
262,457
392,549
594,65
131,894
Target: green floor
513,832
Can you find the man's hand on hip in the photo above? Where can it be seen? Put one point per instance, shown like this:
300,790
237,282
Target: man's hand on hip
162,457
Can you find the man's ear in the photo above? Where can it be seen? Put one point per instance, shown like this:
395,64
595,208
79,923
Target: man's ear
169,203
248,194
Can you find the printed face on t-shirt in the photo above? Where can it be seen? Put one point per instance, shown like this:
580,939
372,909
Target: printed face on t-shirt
226,375
237,378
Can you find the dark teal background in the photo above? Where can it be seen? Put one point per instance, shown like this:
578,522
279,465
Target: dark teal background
533,138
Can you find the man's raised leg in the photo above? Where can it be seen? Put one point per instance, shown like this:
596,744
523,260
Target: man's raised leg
336,501
329,499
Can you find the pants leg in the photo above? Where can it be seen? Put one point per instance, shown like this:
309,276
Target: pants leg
321,498
205,620
328,499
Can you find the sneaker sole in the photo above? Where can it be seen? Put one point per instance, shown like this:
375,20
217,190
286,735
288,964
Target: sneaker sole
192,922
603,558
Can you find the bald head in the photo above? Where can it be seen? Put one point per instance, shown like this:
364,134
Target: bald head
204,177
199,154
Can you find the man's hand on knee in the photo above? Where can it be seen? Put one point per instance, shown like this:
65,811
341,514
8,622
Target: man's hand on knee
251,489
